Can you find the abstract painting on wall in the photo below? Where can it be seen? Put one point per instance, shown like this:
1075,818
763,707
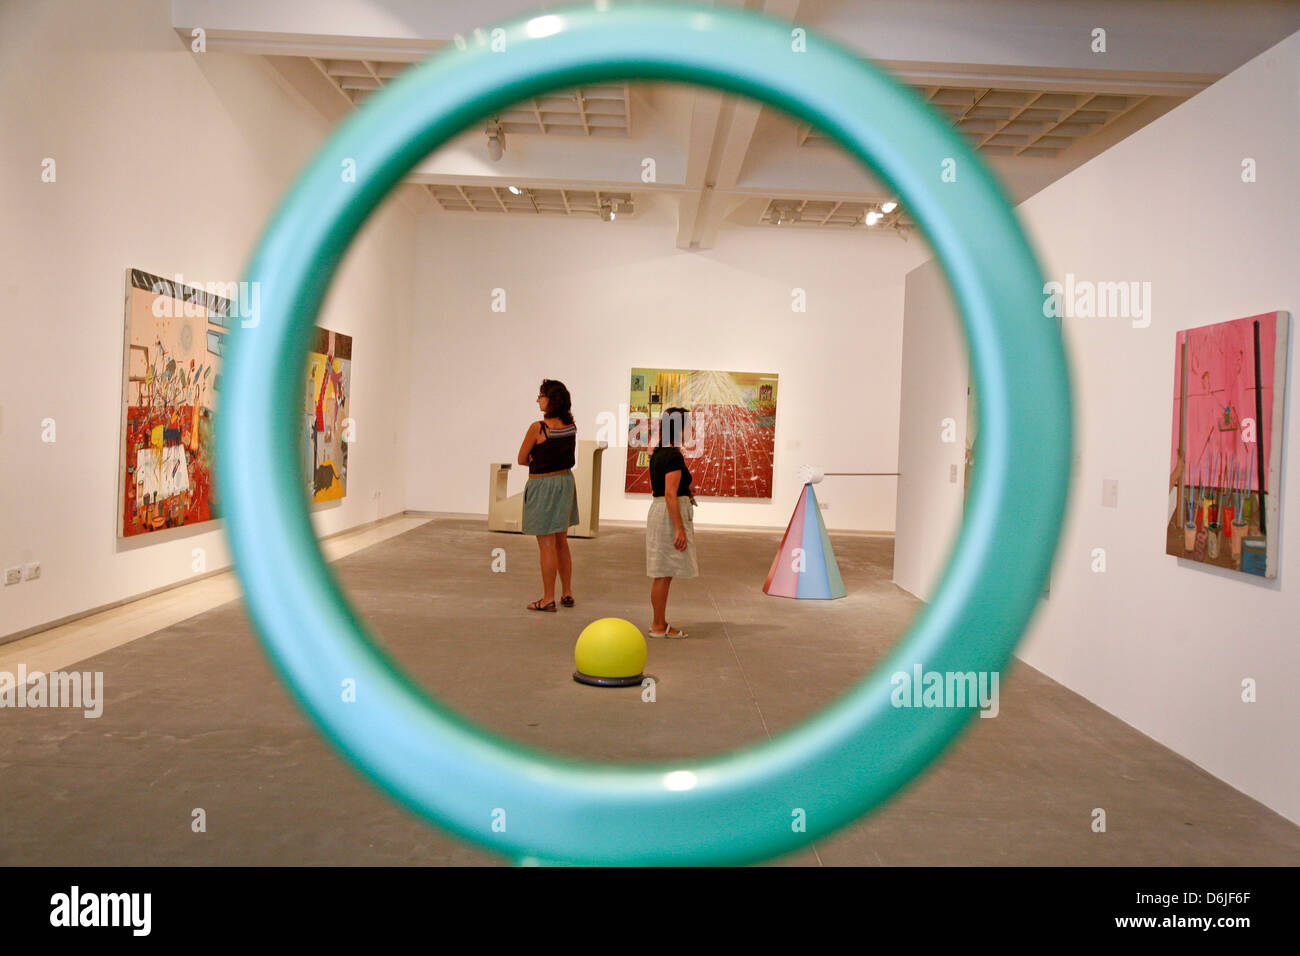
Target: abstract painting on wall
731,436
175,337
1226,450
326,417
173,342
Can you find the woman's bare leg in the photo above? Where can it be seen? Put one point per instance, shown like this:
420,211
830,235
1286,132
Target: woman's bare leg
546,547
564,563
659,603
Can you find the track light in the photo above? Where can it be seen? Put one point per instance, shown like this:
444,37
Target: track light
515,189
784,215
496,144
873,217
888,207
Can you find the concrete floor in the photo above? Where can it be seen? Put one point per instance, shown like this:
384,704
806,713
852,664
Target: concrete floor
194,718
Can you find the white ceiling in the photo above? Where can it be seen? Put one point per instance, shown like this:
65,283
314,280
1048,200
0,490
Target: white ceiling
1019,77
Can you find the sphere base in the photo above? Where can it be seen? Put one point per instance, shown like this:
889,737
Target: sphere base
582,678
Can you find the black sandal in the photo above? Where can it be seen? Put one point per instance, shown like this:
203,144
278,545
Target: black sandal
539,606
567,600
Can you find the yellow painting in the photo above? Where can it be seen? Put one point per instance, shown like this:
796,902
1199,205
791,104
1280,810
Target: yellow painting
326,415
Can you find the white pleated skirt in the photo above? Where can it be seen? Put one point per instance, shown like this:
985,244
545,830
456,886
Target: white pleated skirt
662,559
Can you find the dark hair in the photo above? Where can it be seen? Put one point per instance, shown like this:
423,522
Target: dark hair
558,403
671,425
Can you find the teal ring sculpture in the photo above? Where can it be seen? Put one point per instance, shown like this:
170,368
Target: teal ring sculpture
763,800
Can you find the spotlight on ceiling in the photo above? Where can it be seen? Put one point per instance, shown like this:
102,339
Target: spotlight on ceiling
784,215
873,217
515,189
496,144
888,207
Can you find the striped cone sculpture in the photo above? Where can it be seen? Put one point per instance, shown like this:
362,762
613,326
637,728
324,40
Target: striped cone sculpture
805,565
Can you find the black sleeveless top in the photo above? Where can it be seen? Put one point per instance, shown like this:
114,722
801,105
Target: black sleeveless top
663,461
557,452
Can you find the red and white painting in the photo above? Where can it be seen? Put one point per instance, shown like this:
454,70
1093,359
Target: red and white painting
731,431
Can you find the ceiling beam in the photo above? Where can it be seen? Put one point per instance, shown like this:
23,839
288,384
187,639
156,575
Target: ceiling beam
722,129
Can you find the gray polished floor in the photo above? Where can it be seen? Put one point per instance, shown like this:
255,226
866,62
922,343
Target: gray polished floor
194,718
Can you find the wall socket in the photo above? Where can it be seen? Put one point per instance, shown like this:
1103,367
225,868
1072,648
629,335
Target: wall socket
1109,493
13,575
33,571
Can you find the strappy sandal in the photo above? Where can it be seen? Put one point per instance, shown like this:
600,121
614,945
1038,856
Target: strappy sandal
539,606
669,633
567,600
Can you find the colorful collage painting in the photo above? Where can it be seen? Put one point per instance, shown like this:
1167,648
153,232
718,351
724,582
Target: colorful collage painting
173,339
175,336
329,387
1226,451
731,440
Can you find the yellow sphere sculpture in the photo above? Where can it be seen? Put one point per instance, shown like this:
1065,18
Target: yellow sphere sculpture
610,652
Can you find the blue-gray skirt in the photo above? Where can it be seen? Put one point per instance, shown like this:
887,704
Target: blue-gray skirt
550,504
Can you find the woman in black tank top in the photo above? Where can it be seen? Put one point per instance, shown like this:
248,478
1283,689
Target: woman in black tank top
551,496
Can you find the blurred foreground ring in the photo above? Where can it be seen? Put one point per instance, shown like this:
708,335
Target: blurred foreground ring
774,796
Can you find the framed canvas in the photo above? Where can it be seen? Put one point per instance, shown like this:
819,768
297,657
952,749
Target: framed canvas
731,438
1225,457
174,338
171,357
326,415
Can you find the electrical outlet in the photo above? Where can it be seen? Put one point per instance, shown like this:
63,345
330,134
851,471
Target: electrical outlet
13,575
1109,493
952,474
33,571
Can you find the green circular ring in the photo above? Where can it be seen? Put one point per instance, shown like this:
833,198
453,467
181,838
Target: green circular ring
742,806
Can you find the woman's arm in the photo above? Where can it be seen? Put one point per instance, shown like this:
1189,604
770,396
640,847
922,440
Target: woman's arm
526,449
671,480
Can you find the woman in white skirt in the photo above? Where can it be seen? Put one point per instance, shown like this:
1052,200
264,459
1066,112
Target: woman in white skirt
670,530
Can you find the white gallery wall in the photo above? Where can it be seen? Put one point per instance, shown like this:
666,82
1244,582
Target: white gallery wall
931,431
587,301
1163,643
168,161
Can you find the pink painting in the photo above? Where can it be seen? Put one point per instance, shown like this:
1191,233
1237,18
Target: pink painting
1226,448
